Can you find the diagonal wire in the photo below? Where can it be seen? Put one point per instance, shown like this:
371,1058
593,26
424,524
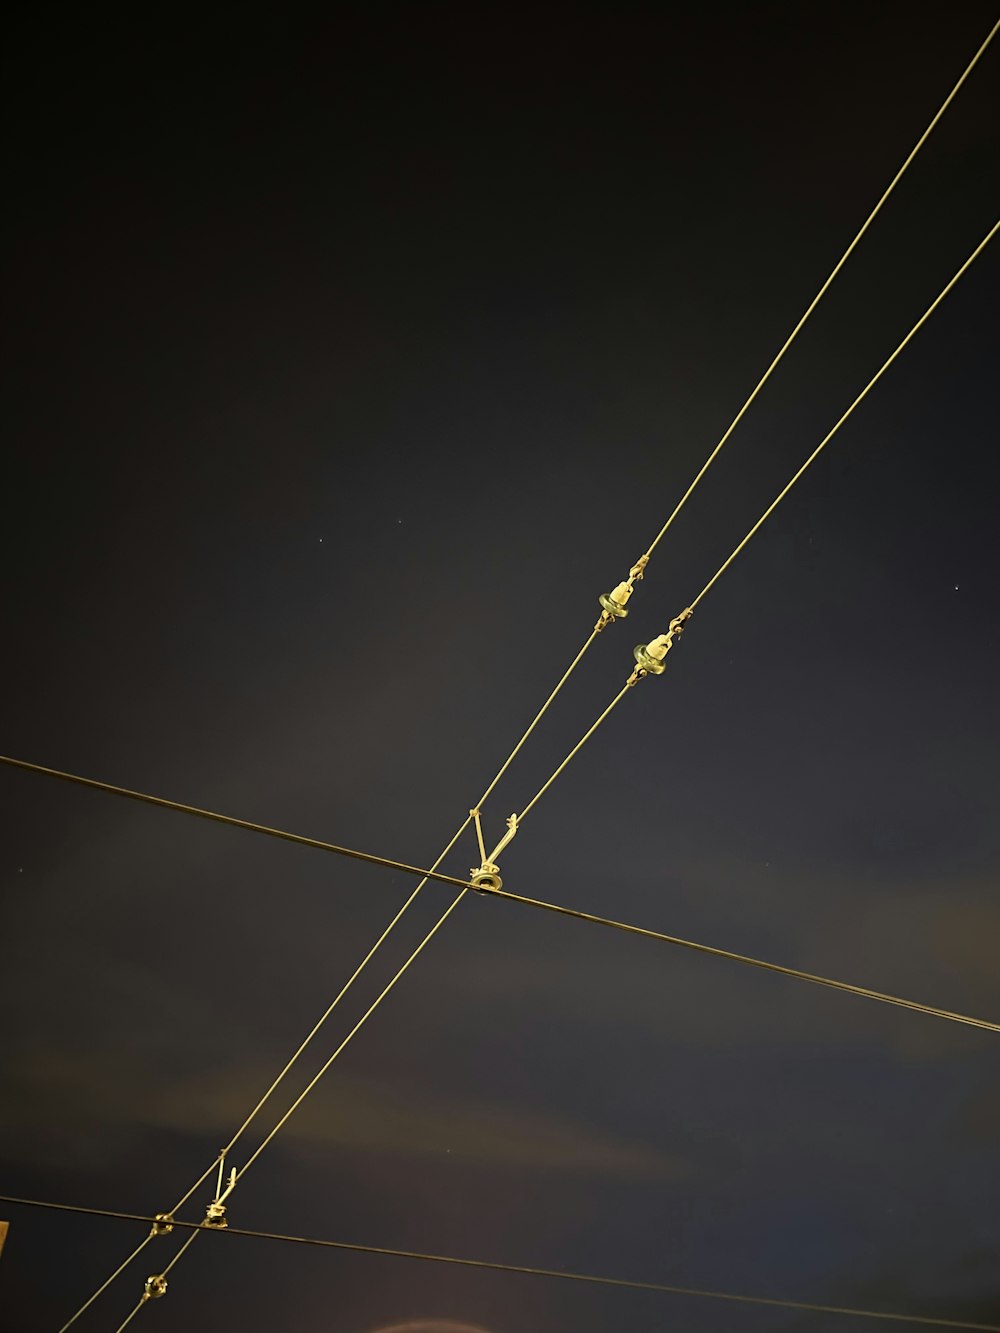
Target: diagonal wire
107,1283
823,290
358,1025
196,1229
525,1270
860,398
781,495
330,847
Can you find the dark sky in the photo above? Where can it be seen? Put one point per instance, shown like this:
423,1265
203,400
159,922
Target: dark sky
349,359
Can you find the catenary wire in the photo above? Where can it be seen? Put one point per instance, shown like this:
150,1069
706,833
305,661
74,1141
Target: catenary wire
781,494
860,399
823,290
523,1269
107,1282
257,828
659,536
611,924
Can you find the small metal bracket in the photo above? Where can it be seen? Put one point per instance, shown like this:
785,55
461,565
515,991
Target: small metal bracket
650,656
155,1287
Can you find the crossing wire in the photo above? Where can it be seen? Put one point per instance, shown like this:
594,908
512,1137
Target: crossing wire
523,1269
652,547
540,904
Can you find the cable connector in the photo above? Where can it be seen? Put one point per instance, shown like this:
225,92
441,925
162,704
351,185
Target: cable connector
614,604
486,876
155,1287
163,1224
215,1213
650,656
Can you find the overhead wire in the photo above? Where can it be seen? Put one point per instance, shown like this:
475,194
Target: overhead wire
524,1270
330,847
607,923
825,287
558,771
783,493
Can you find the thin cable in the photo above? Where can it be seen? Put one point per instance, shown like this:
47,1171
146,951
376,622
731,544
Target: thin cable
563,1274
180,808
575,750
340,995
823,290
358,1025
196,1229
122,1326
544,709
330,847
200,1181
630,929
860,398
863,991
104,1286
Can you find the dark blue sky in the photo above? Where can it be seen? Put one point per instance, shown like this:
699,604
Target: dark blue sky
349,360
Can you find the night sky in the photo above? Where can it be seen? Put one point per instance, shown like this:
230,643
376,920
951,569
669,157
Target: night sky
349,359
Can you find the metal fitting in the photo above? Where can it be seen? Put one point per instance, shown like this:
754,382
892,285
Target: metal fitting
650,656
163,1224
215,1216
156,1286
614,602
486,879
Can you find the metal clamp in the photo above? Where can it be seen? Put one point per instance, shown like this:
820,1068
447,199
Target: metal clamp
614,604
486,876
215,1213
155,1287
163,1224
650,656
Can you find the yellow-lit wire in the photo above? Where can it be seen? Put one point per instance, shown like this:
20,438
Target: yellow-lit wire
860,398
822,291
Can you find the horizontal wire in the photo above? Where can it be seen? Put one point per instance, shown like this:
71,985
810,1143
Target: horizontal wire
562,1274
180,808
862,991
607,922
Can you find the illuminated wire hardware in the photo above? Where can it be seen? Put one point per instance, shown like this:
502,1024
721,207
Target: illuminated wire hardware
614,604
650,657
155,1287
215,1213
486,878
163,1224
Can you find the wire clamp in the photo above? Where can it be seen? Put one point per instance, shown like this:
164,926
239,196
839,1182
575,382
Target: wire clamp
614,604
155,1287
215,1213
486,876
163,1224
650,656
